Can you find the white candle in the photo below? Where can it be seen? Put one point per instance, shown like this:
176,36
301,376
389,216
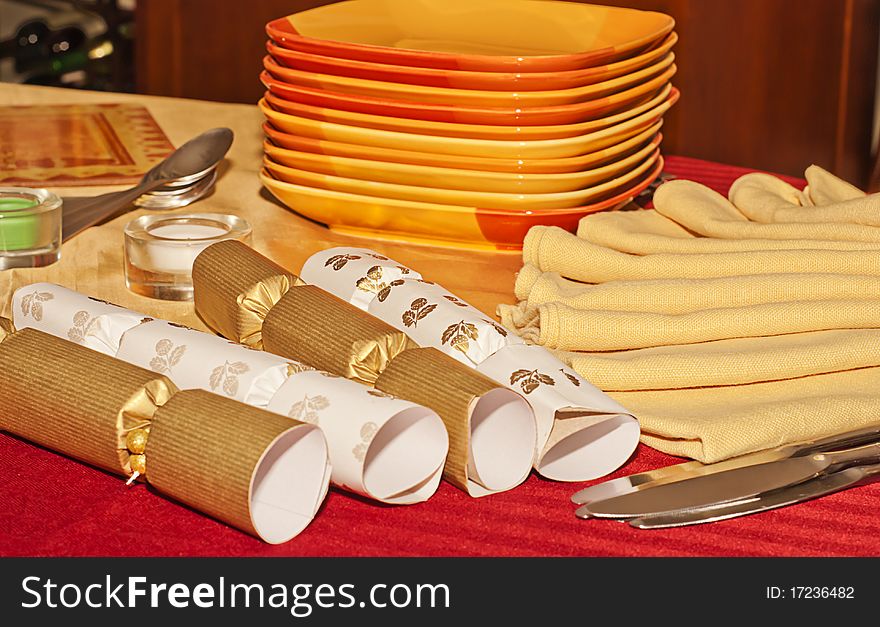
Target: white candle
178,246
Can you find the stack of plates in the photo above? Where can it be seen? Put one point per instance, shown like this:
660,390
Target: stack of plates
463,122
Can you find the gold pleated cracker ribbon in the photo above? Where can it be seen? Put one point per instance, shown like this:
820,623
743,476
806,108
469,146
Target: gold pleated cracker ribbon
237,306
219,456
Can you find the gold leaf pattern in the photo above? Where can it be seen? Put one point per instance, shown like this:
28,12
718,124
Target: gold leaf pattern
309,408
32,304
404,269
368,431
82,324
167,356
418,309
338,261
530,380
379,257
459,335
226,376
498,328
372,282
385,291
454,300
574,380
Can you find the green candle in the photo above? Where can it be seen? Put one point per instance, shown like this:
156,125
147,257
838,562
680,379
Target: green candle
19,228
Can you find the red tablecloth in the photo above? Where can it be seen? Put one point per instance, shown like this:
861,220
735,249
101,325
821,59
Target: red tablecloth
53,506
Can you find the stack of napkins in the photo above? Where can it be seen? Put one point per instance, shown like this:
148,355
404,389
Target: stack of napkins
725,325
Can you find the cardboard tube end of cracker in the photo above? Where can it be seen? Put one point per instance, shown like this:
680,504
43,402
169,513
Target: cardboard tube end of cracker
492,430
381,447
405,455
281,507
582,432
235,287
594,448
255,470
502,438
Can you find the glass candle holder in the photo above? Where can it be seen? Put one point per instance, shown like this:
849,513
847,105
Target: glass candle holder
160,250
30,227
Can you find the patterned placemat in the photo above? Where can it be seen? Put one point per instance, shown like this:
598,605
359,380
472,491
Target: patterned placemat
67,145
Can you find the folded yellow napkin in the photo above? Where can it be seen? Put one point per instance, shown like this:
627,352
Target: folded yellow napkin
726,325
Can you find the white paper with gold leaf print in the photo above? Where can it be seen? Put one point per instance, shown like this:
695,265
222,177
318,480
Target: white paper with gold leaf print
198,360
355,275
432,316
380,447
582,432
73,316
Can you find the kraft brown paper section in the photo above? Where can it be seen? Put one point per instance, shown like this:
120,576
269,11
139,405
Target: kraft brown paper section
330,334
204,449
428,377
235,287
75,400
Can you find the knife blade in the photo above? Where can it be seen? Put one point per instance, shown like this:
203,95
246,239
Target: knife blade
678,472
731,485
813,488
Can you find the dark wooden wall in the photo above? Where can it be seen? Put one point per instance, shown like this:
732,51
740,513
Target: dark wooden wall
771,84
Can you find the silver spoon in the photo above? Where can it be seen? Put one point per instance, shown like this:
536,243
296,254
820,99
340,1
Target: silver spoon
193,158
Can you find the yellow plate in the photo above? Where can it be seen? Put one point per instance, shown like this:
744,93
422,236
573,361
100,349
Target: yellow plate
436,224
485,36
485,164
468,97
523,150
451,129
454,178
488,200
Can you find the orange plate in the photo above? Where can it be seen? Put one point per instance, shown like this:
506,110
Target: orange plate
518,149
464,198
470,131
470,97
456,178
459,79
435,224
531,116
485,36
538,166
